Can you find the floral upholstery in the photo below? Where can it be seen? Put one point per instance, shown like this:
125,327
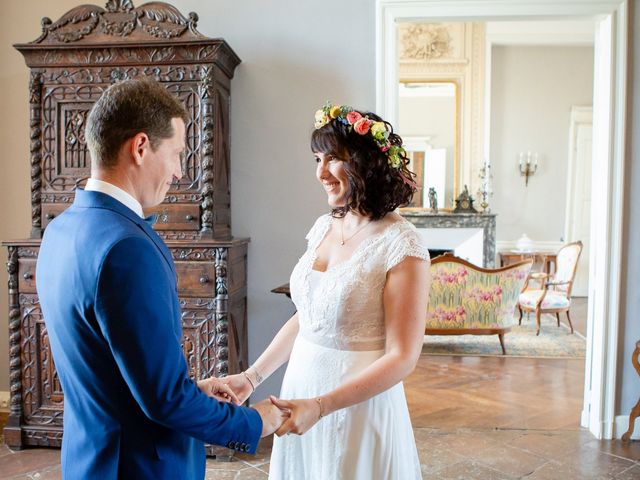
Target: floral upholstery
551,300
463,297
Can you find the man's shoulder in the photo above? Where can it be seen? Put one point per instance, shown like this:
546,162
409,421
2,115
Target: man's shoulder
93,229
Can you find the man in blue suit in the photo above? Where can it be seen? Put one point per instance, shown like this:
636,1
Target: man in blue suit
108,291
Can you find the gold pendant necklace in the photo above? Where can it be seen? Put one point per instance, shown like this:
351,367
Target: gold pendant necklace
343,240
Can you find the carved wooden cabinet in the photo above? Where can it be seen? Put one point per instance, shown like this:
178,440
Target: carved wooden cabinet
74,60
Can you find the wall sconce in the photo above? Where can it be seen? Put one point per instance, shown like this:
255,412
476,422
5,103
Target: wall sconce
528,164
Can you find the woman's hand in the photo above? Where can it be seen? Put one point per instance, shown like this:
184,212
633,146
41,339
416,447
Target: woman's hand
240,386
216,388
305,413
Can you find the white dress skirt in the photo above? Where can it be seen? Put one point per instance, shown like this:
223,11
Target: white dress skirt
367,441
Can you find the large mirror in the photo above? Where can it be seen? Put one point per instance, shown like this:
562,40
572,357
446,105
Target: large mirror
428,123
437,98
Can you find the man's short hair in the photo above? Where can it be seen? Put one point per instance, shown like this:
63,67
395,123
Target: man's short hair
126,109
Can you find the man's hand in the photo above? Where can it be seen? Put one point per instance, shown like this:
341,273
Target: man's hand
214,387
240,386
272,416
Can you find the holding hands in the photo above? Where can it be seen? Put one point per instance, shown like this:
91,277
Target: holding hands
278,416
303,414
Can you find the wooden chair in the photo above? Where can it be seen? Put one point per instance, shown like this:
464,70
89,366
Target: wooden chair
466,299
554,292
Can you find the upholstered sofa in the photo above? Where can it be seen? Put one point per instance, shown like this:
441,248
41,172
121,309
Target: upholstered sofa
467,299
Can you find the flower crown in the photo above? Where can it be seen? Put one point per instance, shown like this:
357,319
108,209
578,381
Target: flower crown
362,126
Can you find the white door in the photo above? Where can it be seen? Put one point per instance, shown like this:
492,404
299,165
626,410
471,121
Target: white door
579,191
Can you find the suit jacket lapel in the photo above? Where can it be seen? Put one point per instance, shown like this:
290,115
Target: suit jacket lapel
92,199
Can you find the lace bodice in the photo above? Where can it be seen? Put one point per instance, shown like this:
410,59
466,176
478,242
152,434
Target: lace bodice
342,307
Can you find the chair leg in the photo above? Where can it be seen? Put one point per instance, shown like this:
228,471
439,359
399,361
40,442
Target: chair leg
569,318
538,321
635,412
520,319
501,338
558,317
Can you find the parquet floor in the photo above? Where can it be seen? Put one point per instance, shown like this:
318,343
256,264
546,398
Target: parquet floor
474,418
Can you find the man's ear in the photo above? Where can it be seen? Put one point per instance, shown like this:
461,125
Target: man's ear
139,147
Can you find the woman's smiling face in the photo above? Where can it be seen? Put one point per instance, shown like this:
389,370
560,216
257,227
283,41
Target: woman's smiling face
331,173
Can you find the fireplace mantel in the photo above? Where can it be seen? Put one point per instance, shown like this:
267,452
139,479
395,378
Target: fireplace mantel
426,220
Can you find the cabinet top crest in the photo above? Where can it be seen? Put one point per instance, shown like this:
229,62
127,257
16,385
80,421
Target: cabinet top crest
120,24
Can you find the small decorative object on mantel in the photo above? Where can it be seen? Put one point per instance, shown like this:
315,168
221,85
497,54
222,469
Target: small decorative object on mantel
485,191
433,200
464,202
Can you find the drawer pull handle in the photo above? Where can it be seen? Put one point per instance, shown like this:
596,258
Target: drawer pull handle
204,280
189,218
50,216
27,276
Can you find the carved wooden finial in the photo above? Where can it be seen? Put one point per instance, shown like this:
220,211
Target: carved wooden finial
114,6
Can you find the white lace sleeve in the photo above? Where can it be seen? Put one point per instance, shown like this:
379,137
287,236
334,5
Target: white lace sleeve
318,230
408,243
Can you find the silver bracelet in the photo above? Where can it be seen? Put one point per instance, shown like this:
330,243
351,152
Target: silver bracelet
253,388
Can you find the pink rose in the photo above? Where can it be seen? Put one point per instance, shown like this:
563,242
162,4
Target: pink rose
385,148
362,126
353,117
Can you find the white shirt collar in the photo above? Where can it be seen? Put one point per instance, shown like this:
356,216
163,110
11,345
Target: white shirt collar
95,185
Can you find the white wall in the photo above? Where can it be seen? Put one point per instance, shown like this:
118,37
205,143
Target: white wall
532,91
295,56
628,389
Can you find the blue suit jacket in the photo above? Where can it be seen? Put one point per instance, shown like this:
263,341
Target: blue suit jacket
108,291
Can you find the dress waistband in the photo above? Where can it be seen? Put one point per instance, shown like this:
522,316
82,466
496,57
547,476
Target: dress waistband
336,344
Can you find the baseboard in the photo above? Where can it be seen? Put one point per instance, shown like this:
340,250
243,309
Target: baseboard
622,425
4,401
544,246
584,419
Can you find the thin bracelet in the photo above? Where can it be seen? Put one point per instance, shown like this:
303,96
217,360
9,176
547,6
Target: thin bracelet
319,402
253,388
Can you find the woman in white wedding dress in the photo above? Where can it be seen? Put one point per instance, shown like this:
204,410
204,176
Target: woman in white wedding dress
361,290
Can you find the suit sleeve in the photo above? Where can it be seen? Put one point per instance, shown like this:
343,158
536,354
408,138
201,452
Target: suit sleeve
136,310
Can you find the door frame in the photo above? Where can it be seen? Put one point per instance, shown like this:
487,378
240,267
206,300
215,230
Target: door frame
610,66
579,116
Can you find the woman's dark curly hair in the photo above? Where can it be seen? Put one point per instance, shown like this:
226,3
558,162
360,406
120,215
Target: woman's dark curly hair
375,187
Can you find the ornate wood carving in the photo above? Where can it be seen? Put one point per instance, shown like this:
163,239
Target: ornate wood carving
90,48
119,18
35,107
222,314
74,60
15,335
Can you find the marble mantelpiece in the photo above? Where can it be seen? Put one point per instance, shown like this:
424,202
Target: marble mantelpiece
424,219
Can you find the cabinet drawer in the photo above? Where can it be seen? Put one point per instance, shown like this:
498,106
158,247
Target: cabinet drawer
170,217
196,279
176,217
27,275
51,211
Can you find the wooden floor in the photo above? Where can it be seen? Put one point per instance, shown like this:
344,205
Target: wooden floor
474,418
